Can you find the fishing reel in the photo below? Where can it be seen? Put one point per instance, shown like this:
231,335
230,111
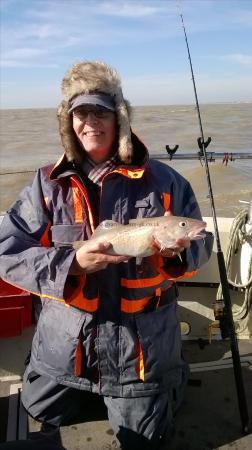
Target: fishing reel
221,320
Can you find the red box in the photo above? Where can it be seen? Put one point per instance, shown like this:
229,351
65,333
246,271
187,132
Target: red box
15,310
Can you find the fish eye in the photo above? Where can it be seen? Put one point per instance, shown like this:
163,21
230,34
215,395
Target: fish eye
182,224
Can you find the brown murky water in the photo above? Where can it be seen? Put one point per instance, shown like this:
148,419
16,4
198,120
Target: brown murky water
29,139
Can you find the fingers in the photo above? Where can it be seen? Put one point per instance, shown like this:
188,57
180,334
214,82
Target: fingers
114,259
93,257
100,247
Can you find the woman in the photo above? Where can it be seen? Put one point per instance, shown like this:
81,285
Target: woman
108,324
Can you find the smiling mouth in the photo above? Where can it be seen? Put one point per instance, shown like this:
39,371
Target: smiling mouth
92,133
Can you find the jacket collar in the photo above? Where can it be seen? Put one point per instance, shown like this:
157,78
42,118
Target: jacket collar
64,168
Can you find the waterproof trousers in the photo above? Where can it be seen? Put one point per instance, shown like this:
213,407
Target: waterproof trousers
138,423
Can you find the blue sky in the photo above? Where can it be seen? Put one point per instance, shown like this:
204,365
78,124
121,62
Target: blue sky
143,40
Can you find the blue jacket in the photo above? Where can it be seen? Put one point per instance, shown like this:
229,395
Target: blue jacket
116,331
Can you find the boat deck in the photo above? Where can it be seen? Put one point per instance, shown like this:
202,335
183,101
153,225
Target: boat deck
208,419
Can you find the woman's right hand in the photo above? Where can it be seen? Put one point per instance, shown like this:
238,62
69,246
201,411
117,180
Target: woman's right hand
93,258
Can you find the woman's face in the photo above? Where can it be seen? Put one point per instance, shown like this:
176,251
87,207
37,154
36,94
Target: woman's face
96,130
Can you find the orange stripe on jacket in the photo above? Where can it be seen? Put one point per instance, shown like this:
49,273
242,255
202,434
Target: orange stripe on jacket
78,359
133,173
45,239
89,305
140,363
142,282
84,193
172,272
132,306
77,298
77,202
166,201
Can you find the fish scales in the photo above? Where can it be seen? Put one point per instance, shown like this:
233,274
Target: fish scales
137,237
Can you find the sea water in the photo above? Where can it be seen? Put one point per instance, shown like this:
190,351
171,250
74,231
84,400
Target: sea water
30,139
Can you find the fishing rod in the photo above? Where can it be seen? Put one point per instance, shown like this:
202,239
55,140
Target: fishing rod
225,314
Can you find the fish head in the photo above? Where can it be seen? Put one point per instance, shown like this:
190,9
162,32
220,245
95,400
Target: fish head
172,228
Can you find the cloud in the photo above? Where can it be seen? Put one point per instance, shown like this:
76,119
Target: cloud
6,63
120,8
24,58
135,10
241,16
238,58
21,53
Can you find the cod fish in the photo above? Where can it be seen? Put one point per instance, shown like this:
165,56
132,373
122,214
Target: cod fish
136,238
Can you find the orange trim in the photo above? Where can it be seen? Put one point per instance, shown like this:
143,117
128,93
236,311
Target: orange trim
140,363
78,299
166,201
132,306
188,274
58,162
84,193
158,295
83,303
36,293
173,276
142,282
45,240
77,201
133,173
78,359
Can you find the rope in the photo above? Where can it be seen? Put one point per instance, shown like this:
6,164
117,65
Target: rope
237,237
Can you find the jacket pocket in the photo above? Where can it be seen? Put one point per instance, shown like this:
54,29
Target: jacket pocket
160,341
67,234
56,339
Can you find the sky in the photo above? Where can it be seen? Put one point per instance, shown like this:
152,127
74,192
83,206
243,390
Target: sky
142,39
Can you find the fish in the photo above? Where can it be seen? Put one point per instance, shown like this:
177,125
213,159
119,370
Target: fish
136,238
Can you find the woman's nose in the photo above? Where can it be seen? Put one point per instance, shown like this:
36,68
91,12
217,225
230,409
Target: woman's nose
91,117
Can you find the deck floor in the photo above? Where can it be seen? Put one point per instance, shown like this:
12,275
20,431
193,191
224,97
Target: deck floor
208,419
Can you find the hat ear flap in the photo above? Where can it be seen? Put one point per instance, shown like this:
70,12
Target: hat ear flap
67,134
125,150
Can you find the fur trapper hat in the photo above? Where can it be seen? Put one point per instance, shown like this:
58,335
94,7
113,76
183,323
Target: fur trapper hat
89,77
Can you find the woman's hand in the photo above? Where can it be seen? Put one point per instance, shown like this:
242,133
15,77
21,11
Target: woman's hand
94,258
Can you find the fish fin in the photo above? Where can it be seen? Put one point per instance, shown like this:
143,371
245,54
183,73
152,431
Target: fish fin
104,227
